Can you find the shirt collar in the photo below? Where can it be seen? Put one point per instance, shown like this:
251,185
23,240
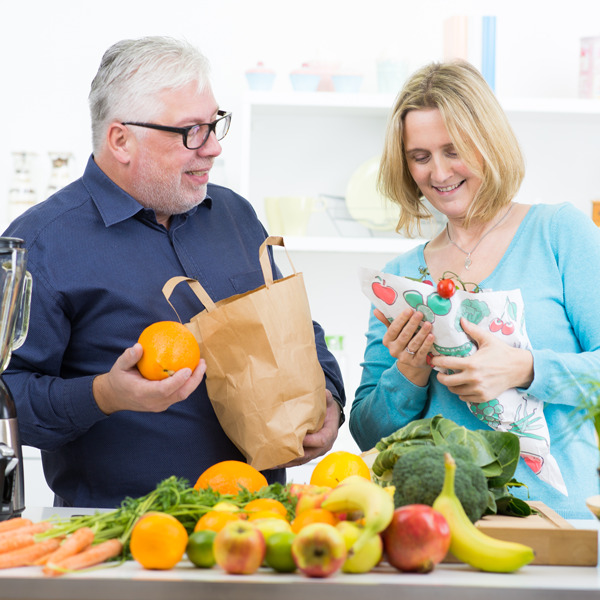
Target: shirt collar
113,203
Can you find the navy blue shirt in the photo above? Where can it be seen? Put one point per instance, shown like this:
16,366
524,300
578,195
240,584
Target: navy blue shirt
99,261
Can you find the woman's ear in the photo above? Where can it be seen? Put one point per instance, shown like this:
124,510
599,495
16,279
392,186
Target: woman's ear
118,142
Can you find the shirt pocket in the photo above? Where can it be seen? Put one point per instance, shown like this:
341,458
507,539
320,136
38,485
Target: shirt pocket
245,282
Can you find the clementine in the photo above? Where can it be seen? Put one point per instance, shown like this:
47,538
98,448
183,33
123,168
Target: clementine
269,504
336,466
158,541
313,515
168,347
215,520
229,476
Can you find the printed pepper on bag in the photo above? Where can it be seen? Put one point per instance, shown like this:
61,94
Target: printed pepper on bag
501,313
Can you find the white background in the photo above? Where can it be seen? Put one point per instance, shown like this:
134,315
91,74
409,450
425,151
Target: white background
50,52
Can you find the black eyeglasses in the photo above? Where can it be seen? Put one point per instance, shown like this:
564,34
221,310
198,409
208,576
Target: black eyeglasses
195,136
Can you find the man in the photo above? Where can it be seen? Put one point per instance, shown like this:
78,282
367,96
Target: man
100,251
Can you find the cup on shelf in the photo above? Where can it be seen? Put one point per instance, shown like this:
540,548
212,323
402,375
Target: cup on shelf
305,79
349,83
391,75
260,78
290,215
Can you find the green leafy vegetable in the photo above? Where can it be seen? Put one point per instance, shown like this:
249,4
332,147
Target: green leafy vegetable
495,452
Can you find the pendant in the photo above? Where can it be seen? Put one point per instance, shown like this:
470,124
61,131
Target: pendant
468,262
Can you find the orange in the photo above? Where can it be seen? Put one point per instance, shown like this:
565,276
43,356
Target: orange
313,515
215,520
265,514
168,347
229,476
158,541
262,504
336,466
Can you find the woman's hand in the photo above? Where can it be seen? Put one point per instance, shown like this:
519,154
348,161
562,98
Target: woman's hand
409,340
493,369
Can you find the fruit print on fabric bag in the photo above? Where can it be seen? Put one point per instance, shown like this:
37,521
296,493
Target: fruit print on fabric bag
501,313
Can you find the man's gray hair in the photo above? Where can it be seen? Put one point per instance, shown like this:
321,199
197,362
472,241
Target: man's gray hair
131,75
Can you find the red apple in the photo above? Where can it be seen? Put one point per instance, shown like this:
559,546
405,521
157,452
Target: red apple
311,499
416,539
319,550
384,292
239,548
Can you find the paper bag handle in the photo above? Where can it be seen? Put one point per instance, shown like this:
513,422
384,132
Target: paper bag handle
202,294
265,263
197,288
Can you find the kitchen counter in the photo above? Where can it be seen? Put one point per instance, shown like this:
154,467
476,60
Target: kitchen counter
453,581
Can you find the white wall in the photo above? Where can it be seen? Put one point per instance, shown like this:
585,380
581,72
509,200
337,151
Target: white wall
50,50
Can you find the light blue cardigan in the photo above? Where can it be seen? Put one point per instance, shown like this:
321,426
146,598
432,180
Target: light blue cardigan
554,258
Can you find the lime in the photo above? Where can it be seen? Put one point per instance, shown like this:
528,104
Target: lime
279,552
200,548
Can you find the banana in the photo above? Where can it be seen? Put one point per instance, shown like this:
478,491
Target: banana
356,493
471,545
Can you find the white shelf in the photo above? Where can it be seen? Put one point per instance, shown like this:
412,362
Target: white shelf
371,245
382,103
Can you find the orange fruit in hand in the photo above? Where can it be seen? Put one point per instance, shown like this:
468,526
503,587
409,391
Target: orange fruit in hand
168,347
229,476
158,541
266,504
336,466
313,515
215,520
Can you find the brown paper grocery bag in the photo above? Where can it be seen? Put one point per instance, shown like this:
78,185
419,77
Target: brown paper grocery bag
263,375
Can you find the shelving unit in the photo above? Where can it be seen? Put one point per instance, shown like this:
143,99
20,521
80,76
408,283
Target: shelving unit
311,143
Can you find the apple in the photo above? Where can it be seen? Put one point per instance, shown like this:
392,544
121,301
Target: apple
311,499
417,538
319,550
239,548
384,292
271,525
367,557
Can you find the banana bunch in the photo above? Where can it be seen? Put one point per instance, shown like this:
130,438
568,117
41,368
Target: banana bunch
356,493
468,543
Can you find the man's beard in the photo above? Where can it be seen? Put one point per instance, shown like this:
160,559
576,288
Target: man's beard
163,193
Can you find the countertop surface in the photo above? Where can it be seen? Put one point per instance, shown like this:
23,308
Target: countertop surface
454,581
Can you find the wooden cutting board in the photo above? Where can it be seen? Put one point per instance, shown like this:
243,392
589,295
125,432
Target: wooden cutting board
554,540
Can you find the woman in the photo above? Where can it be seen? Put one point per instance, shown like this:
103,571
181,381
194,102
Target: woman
449,142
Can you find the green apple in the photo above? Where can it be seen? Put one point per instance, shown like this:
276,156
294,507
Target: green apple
319,550
239,548
279,552
367,557
271,525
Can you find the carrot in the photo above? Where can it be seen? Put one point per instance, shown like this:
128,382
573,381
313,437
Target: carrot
91,557
16,541
78,541
13,524
34,528
28,555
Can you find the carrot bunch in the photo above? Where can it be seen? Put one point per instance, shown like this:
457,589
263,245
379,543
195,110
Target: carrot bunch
21,546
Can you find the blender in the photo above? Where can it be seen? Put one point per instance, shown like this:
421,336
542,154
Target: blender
15,292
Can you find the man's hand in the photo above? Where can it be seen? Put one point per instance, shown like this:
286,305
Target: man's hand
318,443
123,388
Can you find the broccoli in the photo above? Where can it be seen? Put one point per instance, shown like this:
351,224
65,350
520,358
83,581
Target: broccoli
418,477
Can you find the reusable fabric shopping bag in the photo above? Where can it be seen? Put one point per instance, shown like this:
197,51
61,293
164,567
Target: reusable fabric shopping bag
263,375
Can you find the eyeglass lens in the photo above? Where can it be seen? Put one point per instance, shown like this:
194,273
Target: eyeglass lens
198,135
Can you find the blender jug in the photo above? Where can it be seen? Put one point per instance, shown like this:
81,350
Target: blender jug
15,292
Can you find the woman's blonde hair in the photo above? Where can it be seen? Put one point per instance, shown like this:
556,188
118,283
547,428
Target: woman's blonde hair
479,130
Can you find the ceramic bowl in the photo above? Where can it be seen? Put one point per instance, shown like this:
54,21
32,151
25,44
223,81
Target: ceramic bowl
260,81
305,82
593,503
347,83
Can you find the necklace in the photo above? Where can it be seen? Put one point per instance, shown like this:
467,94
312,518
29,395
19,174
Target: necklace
468,260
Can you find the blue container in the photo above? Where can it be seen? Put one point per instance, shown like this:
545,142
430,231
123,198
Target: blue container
347,83
260,81
305,82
